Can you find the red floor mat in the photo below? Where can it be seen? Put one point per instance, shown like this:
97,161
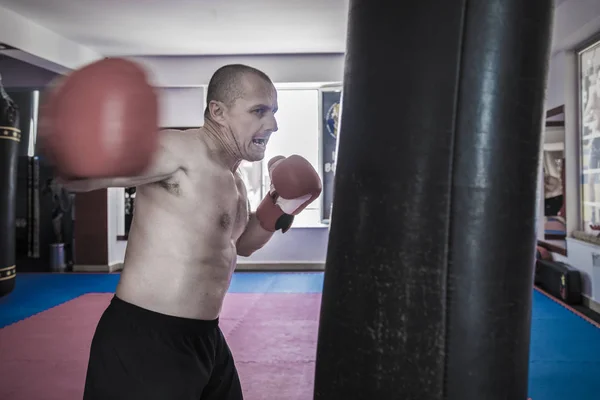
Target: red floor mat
273,338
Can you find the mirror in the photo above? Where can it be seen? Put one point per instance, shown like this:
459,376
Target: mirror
553,161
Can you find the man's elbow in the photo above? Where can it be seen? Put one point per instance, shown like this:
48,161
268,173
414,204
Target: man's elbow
85,185
245,251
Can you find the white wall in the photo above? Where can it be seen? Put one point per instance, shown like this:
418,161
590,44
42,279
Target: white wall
40,46
585,257
555,91
575,21
196,71
181,106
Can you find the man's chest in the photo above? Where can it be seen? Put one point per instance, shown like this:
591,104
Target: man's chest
222,200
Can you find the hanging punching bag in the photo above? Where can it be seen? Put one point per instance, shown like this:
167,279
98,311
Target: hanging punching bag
429,270
10,136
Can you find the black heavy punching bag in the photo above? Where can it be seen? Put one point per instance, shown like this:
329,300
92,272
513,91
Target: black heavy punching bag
10,136
428,279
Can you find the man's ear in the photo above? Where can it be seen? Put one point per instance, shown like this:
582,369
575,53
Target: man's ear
216,109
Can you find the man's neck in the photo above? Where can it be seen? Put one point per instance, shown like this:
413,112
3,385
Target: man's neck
222,144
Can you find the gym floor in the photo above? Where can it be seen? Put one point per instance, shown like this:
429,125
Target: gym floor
565,345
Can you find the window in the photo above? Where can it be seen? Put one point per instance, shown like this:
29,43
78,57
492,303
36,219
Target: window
589,123
298,121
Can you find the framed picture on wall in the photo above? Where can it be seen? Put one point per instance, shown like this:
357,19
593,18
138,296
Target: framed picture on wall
330,113
588,84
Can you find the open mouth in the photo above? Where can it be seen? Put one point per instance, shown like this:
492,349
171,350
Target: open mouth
260,142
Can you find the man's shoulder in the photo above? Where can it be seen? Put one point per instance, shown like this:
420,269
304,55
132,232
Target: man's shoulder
180,134
239,177
240,182
183,139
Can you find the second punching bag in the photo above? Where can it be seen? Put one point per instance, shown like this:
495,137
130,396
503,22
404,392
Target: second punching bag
10,136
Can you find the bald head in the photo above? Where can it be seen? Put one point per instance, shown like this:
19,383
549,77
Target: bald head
228,84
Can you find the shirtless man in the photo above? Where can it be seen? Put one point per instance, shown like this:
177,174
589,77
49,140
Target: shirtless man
159,338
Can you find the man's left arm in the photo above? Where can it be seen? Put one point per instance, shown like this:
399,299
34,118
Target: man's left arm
294,185
253,238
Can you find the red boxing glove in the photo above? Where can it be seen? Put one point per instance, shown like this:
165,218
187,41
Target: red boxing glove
294,185
101,121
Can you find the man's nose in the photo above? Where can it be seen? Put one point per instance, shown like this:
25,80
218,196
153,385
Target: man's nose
272,124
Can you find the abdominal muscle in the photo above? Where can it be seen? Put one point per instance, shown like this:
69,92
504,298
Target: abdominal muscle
176,263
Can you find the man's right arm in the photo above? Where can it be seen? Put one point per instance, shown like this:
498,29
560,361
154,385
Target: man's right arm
167,161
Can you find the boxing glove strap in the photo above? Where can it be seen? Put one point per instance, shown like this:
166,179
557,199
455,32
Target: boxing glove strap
284,222
271,216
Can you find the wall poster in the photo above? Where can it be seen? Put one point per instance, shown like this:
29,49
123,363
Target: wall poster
330,122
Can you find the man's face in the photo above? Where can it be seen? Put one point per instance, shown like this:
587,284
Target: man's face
252,117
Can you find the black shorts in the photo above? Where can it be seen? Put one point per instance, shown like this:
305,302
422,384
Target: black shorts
141,354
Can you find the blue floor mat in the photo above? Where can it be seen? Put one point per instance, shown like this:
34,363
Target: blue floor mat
35,293
564,352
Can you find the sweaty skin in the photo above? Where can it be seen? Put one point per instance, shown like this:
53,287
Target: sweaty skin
192,216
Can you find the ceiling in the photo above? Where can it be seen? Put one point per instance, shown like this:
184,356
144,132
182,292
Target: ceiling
199,27
193,27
